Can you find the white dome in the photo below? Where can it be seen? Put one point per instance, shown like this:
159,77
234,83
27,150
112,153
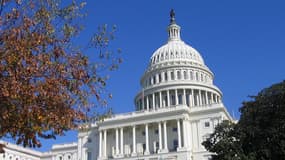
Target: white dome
176,50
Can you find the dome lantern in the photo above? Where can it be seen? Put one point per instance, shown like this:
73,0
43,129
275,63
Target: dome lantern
173,28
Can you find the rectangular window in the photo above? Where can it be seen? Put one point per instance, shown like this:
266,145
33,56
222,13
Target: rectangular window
174,129
180,99
89,155
207,124
156,131
175,143
172,99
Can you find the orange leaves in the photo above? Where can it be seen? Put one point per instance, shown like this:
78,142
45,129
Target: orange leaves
46,84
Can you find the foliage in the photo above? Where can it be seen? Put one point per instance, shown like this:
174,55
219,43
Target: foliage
224,142
46,81
260,132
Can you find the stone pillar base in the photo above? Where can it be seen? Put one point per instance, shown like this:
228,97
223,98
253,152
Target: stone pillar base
163,151
146,153
102,158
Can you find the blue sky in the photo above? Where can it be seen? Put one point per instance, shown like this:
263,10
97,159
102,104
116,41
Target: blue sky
242,42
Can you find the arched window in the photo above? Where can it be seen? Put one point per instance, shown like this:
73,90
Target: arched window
172,75
185,75
178,74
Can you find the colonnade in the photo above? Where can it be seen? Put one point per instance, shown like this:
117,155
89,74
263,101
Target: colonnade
173,97
162,138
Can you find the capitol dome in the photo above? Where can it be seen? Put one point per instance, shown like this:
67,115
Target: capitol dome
175,49
176,76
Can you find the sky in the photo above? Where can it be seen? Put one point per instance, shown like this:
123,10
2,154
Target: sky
242,42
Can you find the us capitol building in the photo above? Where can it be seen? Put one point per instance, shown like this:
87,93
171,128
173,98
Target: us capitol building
176,110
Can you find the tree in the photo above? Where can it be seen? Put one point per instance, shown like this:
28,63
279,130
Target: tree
46,80
224,142
260,132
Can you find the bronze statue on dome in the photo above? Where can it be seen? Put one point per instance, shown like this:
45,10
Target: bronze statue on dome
172,16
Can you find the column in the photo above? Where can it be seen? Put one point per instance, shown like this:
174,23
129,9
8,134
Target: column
143,101
146,140
200,98
165,136
198,133
184,97
197,99
168,99
134,141
160,100
147,103
176,97
153,101
122,141
207,98
105,143
179,133
212,98
100,144
117,141
185,135
160,136
192,97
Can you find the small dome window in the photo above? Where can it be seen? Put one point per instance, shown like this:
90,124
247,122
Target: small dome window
185,75
165,76
178,74
172,75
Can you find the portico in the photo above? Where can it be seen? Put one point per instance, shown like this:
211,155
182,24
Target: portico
157,137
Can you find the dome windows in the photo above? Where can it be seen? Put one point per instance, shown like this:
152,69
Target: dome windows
172,75
185,75
182,74
178,75
165,76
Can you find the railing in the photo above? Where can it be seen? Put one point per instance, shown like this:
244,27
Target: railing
164,109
